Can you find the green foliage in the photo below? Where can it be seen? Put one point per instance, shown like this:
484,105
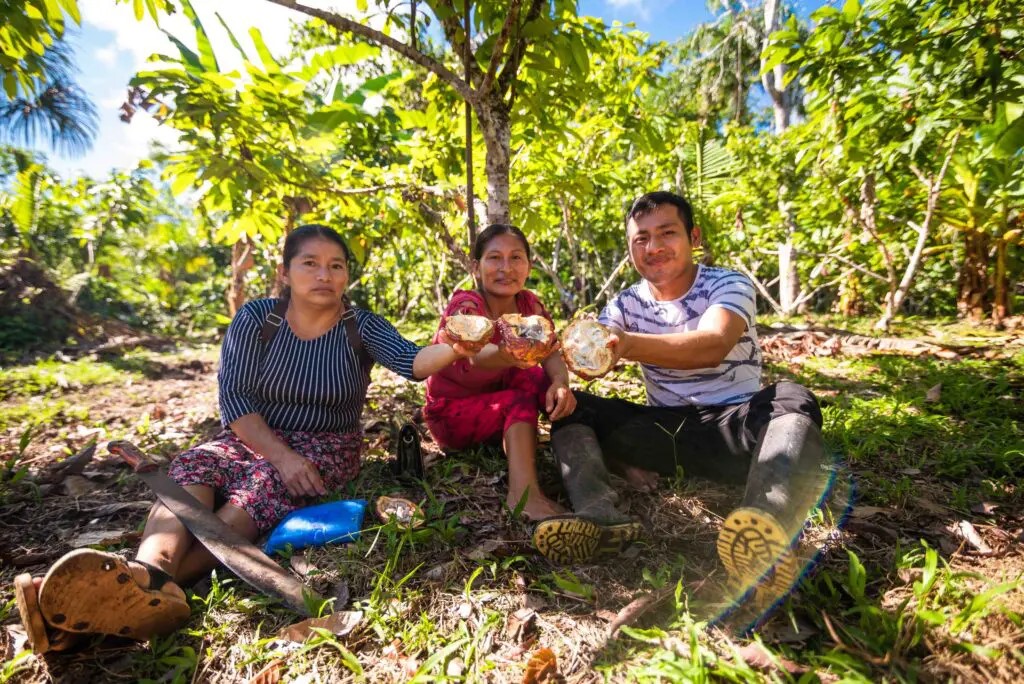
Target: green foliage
28,29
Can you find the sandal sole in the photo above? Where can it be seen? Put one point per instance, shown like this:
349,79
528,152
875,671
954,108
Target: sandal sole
90,591
27,598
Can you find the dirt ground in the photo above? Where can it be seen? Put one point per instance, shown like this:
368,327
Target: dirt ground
174,405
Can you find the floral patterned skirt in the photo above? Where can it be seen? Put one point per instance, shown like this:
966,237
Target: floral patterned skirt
241,477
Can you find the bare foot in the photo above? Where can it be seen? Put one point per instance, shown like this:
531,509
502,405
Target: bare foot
140,573
640,479
537,506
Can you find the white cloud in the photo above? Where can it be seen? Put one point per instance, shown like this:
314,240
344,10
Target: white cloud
120,45
106,56
638,6
144,38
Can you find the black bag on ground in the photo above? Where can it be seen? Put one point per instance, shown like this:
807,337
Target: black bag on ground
409,459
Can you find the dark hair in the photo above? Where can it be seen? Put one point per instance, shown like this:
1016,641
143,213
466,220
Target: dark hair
492,231
645,204
311,231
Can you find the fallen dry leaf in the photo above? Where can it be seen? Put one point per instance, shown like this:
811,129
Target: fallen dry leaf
934,395
757,656
520,624
970,535
541,668
76,486
102,538
484,550
868,511
271,674
931,506
110,509
338,624
17,640
637,607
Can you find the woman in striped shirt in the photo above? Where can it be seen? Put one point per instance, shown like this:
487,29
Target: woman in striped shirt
291,434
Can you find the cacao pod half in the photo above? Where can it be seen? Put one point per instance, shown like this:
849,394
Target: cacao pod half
471,331
585,348
402,510
526,338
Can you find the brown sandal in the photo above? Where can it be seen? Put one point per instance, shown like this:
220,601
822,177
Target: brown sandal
90,591
41,639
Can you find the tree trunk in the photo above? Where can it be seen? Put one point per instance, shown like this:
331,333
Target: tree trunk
495,126
789,285
1001,305
241,261
789,277
772,80
972,282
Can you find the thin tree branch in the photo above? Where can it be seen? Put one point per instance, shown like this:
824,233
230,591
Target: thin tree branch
461,43
760,287
611,278
499,45
511,68
373,35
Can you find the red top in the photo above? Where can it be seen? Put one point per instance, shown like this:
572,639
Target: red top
462,378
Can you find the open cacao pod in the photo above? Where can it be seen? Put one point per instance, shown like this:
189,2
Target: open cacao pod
404,511
472,331
585,348
526,338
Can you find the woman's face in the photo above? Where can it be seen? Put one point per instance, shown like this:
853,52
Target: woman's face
318,273
503,267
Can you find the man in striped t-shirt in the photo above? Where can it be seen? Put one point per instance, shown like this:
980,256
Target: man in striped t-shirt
692,329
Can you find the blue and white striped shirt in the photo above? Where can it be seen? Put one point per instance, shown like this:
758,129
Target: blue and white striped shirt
735,380
315,385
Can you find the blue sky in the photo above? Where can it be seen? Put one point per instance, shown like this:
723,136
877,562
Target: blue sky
111,46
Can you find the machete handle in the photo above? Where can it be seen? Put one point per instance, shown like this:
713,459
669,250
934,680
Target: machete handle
132,455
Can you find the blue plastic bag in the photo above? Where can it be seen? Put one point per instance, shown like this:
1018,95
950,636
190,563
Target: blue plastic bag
335,522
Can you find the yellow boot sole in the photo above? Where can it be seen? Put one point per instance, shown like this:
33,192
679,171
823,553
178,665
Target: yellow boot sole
757,553
568,539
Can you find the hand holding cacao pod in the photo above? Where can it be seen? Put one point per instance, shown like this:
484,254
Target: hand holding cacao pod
529,339
472,332
585,348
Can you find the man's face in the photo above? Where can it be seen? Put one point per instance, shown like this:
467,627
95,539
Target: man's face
659,246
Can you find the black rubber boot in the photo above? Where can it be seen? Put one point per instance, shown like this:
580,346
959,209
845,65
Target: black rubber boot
787,473
585,476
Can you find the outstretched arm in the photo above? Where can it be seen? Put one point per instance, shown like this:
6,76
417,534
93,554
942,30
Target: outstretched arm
717,333
437,357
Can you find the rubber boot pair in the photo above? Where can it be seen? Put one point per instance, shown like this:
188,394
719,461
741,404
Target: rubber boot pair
758,541
596,528
93,592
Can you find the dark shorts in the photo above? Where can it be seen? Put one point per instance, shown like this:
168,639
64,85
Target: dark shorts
244,479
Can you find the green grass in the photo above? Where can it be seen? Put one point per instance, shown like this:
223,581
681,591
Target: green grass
51,377
437,601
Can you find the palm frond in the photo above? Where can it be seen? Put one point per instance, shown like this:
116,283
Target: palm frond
57,113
